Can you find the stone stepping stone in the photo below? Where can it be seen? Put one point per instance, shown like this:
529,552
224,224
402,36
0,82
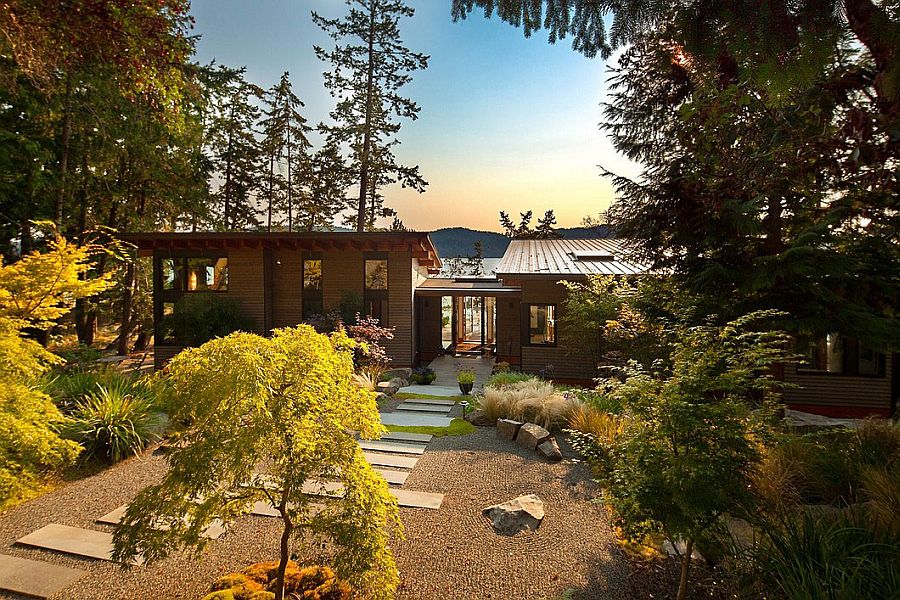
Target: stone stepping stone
431,401
390,460
393,477
410,419
392,447
73,540
424,408
33,577
263,508
406,498
213,532
402,436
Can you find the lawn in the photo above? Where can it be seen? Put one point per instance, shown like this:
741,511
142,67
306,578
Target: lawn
457,427
408,396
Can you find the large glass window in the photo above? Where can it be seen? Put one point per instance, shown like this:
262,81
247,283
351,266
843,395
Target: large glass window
842,355
376,274
542,324
312,286
196,274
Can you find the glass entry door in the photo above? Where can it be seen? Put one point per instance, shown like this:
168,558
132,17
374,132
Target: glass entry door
473,324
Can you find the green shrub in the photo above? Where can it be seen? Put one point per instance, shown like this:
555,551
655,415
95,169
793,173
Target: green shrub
67,388
256,583
78,354
200,317
422,376
465,376
821,555
116,420
503,378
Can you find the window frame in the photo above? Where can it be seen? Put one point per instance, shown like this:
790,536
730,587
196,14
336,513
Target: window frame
526,325
851,351
163,296
371,295
318,296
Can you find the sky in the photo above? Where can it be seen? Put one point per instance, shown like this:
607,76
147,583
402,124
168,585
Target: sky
506,123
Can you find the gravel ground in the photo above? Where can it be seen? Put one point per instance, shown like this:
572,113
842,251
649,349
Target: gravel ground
448,553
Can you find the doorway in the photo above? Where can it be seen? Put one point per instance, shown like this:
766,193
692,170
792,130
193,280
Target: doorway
473,324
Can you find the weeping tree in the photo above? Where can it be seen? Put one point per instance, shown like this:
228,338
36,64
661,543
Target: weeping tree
275,423
370,65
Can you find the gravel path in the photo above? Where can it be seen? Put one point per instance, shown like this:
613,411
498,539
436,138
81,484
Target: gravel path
448,553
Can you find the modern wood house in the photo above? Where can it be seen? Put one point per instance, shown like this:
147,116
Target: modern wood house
282,279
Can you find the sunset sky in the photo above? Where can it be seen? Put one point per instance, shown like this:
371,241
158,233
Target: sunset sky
506,123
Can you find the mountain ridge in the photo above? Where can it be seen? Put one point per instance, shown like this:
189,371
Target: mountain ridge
460,241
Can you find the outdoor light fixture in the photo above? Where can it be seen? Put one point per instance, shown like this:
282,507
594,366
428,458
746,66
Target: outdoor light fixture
464,405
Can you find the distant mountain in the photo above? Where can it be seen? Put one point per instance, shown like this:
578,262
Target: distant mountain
460,241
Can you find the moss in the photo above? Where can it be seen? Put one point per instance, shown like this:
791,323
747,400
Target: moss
220,595
457,427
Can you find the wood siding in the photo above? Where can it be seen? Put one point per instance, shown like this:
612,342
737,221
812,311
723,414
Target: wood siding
287,290
400,307
509,329
163,354
246,285
567,363
342,273
834,394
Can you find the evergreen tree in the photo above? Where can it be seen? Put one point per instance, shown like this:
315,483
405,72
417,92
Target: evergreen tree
327,180
235,152
286,147
370,66
524,231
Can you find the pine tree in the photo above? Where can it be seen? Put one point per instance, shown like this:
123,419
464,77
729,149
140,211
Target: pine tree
545,229
524,231
324,190
370,65
286,147
235,151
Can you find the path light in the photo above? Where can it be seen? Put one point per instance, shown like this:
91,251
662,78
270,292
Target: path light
464,405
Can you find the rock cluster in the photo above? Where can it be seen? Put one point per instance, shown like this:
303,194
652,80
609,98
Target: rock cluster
531,436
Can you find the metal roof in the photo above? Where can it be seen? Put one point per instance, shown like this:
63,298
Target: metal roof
568,258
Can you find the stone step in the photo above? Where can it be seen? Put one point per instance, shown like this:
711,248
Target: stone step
405,498
390,460
402,436
392,447
423,408
73,540
264,508
411,419
213,532
393,477
430,401
34,578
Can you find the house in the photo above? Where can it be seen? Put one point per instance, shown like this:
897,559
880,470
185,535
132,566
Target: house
281,279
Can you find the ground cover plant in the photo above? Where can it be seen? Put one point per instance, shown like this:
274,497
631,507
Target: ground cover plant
280,414
456,427
257,581
529,400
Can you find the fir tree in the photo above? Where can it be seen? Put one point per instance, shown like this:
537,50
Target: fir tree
524,231
370,66
327,180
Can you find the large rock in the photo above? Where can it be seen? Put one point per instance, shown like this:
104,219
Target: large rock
507,429
550,449
387,387
524,513
531,436
479,419
399,382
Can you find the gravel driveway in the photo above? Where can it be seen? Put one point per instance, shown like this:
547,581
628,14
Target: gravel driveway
448,553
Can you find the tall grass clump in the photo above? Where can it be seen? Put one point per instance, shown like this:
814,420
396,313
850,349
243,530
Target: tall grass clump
116,420
504,378
531,401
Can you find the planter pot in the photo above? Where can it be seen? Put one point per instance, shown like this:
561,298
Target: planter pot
465,388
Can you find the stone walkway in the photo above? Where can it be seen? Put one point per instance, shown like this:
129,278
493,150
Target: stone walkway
448,553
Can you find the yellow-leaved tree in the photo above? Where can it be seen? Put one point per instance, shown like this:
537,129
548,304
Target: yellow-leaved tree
34,292
272,420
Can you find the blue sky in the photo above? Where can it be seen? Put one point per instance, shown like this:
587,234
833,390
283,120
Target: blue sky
507,123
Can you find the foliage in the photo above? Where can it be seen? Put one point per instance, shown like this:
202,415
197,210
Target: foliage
500,367
115,420
503,378
370,65
257,581
69,386
202,316
286,405
531,400
423,376
465,376
523,231
369,355
456,427
365,381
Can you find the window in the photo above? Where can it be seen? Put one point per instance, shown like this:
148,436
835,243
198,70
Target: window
312,285
842,355
375,296
376,274
541,324
198,274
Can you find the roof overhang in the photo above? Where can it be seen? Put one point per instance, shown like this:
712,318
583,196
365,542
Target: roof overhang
466,287
419,244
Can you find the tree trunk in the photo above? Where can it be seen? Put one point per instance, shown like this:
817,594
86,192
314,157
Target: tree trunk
227,185
141,342
874,28
285,546
685,569
85,317
271,188
64,152
127,301
290,190
367,131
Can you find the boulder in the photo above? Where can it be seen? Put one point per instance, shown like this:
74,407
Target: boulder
550,449
381,397
524,513
531,436
479,419
403,374
399,382
507,429
387,387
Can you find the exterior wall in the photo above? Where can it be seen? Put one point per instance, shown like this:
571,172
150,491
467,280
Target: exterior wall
163,354
287,288
400,307
246,285
342,273
567,364
509,330
840,395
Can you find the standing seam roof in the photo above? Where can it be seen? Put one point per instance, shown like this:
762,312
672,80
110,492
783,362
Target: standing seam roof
560,257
